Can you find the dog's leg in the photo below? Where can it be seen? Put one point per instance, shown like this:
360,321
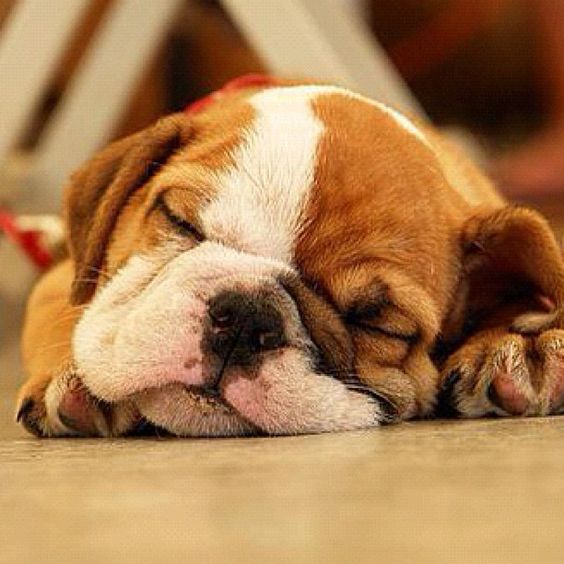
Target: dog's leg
512,361
53,402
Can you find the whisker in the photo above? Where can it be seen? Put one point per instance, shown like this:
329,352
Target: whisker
98,270
53,346
87,280
63,319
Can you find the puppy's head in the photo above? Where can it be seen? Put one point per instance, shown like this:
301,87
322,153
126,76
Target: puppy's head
278,263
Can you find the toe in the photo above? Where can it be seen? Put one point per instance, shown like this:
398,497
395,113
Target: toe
446,397
72,410
77,411
550,346
24,409
31,414
510,386
505,393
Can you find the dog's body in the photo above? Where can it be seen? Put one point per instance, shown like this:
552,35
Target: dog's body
290,259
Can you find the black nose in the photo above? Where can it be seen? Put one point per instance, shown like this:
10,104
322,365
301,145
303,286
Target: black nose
242,326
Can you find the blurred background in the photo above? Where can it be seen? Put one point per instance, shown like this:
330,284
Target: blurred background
75,74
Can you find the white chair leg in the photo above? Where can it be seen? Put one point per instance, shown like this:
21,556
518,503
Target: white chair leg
31,43
100,89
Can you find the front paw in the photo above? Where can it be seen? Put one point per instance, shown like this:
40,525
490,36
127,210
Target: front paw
506,374
63,407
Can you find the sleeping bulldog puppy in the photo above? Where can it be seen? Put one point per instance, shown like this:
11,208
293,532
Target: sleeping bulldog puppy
290,258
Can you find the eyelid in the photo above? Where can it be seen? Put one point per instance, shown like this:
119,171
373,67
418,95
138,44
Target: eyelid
368,310
409,338
181,224
363,318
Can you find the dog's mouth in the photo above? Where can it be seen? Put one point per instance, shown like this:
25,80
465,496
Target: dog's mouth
206,399
212,395
186,410
215,361
242,403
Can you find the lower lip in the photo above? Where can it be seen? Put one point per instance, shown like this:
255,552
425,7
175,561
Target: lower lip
210,397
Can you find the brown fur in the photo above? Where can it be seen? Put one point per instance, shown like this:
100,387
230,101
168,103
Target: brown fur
384,230
383,200
46,354
101,188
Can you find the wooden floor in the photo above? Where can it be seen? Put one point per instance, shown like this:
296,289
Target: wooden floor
482,491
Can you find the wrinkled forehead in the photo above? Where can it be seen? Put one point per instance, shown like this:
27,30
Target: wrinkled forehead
285,141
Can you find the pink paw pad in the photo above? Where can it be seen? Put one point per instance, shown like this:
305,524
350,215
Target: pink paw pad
556,396
78,412
505,394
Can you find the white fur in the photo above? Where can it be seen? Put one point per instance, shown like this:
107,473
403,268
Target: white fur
288,397
260,200
310,92
403,122
182,412
144,329
134,339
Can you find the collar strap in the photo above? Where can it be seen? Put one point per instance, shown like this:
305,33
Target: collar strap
29,240
239,83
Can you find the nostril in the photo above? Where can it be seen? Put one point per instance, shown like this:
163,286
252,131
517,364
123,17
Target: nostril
242,326
223,320
223,316
267,340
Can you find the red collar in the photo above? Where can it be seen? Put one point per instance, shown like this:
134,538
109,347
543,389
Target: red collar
240,83
30,241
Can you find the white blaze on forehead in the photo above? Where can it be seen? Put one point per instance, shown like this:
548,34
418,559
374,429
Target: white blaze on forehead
400,119
260,200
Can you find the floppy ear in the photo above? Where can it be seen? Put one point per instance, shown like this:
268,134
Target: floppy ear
99,189
513,248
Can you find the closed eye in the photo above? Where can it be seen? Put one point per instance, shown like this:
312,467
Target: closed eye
382,319
409,338
181,225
